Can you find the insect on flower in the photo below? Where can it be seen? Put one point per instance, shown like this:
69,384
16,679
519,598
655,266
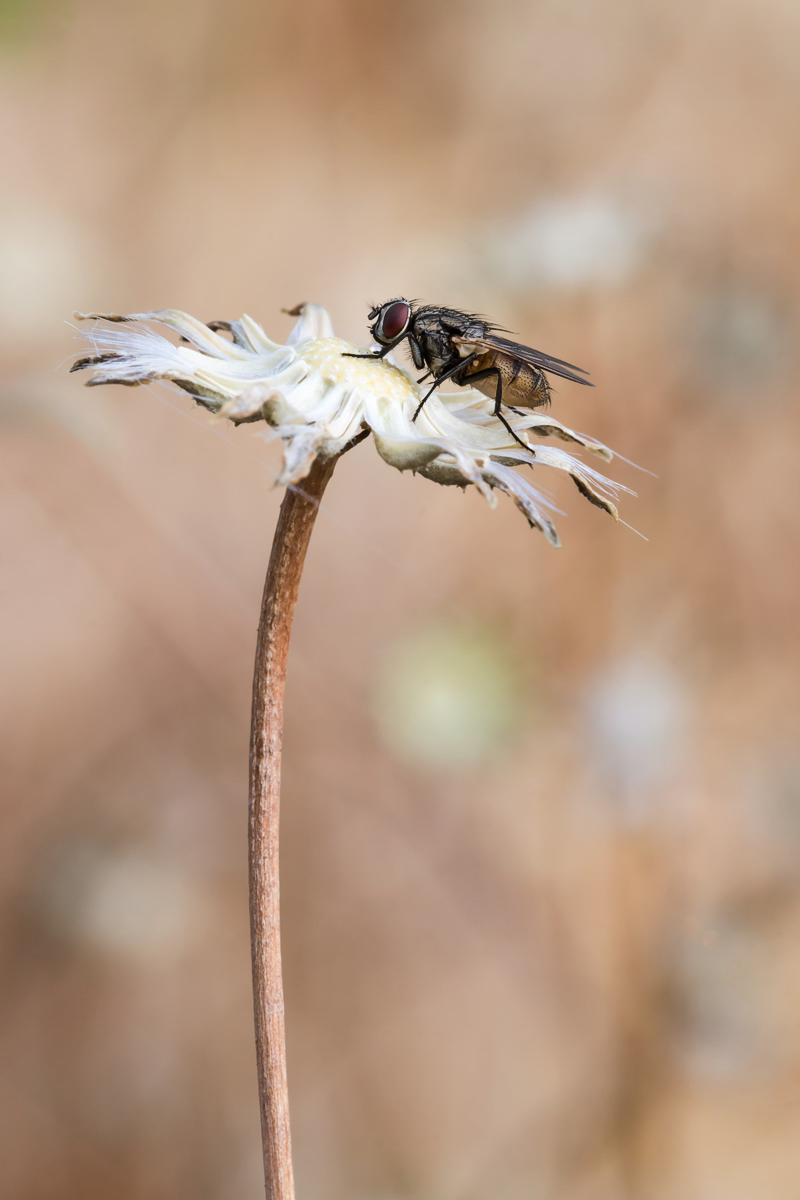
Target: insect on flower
465,348
314,397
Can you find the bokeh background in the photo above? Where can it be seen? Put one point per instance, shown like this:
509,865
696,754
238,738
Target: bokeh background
541,823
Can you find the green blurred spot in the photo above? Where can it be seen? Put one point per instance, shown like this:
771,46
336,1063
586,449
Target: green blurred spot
447,695
20,18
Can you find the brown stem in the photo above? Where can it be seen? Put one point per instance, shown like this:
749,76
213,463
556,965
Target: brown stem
298,513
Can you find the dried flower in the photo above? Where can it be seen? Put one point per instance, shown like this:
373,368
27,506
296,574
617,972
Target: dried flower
317,401
320,402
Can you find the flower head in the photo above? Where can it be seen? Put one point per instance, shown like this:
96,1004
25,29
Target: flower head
317,400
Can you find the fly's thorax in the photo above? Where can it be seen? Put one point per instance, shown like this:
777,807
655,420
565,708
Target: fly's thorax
437,350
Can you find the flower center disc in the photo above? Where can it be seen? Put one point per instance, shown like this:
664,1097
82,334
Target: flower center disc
326,355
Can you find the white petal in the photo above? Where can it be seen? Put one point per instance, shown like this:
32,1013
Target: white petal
314,323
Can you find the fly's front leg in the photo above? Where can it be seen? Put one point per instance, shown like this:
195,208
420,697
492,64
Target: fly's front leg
371,354
381,353
498,399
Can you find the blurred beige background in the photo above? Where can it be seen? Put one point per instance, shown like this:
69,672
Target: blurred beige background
541,895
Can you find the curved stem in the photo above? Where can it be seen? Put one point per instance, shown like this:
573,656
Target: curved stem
298,513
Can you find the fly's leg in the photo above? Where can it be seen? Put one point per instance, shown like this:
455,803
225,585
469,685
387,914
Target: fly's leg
447,375
371,354
498,400
381,353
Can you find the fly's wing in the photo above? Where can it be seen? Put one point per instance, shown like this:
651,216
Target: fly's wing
544,362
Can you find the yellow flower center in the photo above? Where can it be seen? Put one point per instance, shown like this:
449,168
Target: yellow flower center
377,375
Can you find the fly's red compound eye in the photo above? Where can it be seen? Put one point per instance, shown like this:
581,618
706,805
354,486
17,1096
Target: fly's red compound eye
394,321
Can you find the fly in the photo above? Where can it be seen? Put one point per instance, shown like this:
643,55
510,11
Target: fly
467,349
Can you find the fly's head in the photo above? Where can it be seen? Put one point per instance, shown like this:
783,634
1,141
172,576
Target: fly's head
391,321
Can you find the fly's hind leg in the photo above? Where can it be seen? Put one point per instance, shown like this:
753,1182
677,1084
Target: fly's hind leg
498,400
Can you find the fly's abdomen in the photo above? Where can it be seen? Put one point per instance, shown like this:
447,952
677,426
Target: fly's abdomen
523,385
